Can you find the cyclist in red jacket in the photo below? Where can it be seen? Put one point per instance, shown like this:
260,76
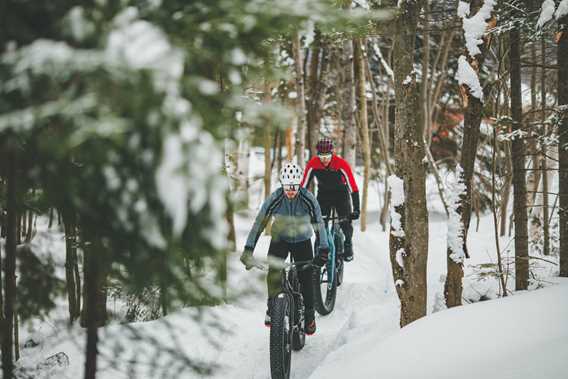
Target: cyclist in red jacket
335,182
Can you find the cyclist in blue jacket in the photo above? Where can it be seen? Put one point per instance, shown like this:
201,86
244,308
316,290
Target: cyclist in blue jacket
296,213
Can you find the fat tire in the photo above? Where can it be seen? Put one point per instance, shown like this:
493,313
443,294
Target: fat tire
281,337
324,303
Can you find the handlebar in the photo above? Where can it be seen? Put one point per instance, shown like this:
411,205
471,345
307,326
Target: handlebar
280,264
335,218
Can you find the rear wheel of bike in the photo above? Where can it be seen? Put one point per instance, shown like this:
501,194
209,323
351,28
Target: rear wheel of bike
324,291
281,337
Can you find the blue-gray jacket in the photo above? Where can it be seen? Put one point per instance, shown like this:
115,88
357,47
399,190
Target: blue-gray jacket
294,218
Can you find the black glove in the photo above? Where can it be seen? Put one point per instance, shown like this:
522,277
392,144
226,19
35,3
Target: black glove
356,210
321,259
246,259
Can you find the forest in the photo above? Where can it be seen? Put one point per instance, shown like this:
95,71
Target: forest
140,138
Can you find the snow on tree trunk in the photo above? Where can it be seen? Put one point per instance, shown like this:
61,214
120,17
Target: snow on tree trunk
455,256
410,281
474,28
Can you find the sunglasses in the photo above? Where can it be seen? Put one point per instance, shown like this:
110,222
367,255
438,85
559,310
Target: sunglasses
291,187
325,156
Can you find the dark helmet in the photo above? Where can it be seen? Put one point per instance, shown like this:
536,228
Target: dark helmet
324,146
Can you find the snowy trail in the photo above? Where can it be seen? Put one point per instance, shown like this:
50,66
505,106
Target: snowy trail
364,299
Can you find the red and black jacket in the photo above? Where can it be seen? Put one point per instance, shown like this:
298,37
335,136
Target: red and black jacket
337,176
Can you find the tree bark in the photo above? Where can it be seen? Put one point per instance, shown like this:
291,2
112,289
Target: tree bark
359,68
518,156
562,56
410,281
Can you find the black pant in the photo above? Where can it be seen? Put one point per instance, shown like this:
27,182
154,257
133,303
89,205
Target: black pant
301,251
341,202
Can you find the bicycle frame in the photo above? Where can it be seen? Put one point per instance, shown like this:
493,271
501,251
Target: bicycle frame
330,232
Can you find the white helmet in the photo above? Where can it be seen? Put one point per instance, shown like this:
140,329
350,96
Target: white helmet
291,174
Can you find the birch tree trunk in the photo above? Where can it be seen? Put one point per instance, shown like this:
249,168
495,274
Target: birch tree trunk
563,144
359,65
518,156
409,245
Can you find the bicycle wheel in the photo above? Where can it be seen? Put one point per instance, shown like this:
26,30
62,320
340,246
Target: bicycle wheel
325,291
281,337
339,245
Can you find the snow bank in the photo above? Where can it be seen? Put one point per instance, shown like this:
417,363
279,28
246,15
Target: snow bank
521,337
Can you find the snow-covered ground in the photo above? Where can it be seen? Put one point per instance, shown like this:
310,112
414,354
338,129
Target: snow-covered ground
523,336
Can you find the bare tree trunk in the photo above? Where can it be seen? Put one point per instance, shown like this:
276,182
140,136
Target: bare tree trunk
16,338
95,289
359,66
381,121
545,222
319,66
535,159
494,209
424,88
267,99
280,145
563,144
411,247
289,144
243,170
7,330
347,94
69,222
506,192
443,70
300,99
518,155
92,321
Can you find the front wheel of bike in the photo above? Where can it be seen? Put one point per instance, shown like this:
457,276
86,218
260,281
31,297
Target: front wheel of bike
281,337
325,291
